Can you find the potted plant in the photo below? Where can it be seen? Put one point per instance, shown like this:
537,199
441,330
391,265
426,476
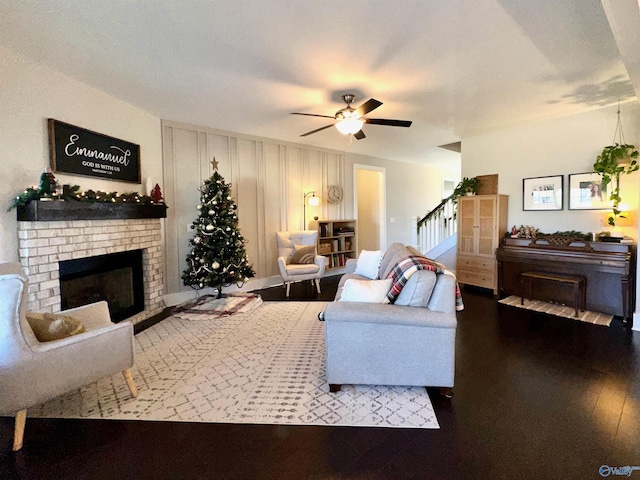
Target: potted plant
613,161
467,186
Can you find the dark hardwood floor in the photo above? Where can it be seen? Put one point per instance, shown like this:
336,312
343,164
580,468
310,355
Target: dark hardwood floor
535,397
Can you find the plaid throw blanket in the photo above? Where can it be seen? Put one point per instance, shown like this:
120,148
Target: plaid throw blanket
406,267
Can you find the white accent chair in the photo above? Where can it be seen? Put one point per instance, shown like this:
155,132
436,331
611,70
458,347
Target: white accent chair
32,372
298,272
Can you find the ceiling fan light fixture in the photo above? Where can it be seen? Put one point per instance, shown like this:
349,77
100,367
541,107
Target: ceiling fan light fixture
349,125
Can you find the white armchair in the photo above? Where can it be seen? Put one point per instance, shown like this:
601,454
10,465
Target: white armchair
32,372
295,272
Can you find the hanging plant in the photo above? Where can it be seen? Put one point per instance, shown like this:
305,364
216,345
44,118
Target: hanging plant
615,160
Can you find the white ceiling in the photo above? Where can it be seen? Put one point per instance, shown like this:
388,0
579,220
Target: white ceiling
454,67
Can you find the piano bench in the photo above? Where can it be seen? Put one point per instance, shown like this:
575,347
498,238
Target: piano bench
577,283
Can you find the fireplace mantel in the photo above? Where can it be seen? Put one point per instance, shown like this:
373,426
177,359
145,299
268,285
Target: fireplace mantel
56,210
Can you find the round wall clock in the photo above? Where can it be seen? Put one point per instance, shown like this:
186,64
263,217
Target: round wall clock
334,194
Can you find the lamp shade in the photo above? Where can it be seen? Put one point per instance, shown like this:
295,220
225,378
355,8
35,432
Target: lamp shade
349,125
313,201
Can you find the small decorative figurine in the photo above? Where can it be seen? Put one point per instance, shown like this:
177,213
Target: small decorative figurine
156,194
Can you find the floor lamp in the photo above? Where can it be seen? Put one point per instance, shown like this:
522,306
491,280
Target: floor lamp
313,201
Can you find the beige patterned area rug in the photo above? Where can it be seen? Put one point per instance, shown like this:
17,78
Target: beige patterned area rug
265,366
559,310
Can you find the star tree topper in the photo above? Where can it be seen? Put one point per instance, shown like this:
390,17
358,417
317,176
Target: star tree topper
214,164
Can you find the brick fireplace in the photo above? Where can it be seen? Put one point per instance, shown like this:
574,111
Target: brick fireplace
43,244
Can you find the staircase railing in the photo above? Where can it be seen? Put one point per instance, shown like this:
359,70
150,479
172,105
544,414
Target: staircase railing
437,225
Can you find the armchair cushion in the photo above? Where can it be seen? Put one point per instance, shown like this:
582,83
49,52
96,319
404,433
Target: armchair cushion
49,326
303,254
301,269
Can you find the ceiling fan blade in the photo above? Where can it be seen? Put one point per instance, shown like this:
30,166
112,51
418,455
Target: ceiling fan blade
316,130
390,123
313,115
359,135
368,106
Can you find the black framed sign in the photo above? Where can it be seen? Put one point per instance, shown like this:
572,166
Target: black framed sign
80,151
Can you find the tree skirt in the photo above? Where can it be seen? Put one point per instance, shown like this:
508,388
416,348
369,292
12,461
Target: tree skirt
207,306
559,310
266,366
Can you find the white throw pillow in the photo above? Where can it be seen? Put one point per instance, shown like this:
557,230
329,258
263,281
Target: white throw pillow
367,291
369,263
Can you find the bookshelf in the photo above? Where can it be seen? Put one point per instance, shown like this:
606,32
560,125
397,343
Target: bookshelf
337,240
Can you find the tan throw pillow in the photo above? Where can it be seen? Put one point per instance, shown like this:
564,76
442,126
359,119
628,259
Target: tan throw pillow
303,254
51,326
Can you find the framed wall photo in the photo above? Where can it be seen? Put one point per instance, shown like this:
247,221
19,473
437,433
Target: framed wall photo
586,192
542,193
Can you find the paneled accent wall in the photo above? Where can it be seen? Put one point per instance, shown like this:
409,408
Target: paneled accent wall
268,180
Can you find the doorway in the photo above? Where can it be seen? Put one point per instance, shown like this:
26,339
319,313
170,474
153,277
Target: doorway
370,206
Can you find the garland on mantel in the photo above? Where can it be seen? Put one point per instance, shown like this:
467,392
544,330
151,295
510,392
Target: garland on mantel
47,190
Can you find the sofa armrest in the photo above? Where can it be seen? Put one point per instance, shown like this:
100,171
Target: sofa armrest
350,266
443,297
388,314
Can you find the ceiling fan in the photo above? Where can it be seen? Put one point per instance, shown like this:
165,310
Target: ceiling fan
350,120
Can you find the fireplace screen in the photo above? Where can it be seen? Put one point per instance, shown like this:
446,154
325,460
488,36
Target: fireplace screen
116,278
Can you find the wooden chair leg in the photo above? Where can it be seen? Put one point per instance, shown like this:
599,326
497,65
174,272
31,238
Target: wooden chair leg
318,285
288,285
446,392
18,434
130,383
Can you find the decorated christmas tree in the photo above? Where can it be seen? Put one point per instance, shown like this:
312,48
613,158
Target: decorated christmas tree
217,258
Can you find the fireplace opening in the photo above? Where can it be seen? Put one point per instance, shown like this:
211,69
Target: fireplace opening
116,278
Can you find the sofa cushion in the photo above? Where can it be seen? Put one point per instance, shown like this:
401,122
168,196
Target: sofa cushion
343,280
418,289
366,291
391,257
369,263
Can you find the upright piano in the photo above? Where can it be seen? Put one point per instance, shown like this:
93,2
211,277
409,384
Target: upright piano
608,268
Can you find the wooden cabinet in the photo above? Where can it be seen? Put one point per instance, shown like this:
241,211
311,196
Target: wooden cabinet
482,221
337,240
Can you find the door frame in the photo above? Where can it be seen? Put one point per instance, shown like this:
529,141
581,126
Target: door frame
382,195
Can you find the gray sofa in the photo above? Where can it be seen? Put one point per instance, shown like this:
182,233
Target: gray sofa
410,342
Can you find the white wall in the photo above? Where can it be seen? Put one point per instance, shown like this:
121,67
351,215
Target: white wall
555,147
29,95
412,190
